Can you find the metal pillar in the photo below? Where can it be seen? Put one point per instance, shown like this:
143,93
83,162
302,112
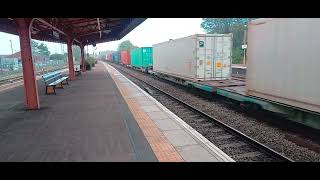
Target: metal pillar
70,59
30,84
82,59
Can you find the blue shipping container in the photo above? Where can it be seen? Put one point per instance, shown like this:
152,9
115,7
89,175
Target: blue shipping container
115,57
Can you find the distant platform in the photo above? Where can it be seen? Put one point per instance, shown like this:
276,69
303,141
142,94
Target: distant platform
239,70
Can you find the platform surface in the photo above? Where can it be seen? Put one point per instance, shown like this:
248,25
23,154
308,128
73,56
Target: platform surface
87,121
101,116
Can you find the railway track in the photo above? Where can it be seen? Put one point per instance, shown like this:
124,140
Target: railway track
234,143
18,78
10,80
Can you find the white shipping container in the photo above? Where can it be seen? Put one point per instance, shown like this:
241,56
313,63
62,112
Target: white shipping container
196,57
284,60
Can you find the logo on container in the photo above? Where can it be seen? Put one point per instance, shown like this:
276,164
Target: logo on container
201,44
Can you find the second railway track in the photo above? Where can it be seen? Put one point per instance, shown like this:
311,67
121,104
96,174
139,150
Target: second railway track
10,80
234,143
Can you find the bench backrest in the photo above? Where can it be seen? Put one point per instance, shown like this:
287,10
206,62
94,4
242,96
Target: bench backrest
50,77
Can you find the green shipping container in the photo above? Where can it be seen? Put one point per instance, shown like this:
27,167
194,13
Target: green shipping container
142,57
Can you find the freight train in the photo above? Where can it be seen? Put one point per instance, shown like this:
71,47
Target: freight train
281,74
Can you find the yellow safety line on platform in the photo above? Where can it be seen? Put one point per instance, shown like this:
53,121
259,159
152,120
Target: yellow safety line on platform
162,148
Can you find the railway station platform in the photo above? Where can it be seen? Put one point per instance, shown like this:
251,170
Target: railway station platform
100,116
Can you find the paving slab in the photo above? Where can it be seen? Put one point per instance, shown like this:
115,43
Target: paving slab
179,138
196,153
150,108
167,125
157,115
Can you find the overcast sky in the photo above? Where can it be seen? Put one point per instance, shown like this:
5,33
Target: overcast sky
151,31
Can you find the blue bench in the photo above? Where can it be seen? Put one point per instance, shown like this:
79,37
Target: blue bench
53,80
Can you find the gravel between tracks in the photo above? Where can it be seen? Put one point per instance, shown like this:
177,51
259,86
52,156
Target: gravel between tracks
261,131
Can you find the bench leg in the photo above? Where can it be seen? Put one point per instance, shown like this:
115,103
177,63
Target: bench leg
50,90
60,86
66,82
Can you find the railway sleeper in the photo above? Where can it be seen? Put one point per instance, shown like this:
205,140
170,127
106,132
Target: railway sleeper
249,155
233,145
225,136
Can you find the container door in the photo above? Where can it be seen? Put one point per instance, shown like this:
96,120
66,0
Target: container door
205,56
139,60
218,57
209,50
227,59
223,57
147,57
200,56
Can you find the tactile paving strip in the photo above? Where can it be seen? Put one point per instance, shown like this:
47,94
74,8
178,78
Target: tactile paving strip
162,148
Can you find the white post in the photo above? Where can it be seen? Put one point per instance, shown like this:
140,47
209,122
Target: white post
245,43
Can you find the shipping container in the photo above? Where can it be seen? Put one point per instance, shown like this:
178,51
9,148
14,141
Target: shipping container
197,57
125,57
142,57
108,57
115,57
283,61
103,55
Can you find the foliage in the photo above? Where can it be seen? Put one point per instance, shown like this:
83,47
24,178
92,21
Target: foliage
76,52
237,56
125,45
229,25
90,61
222,25
65,55
40,48
57,56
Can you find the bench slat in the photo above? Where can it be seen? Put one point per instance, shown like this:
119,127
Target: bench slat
56,82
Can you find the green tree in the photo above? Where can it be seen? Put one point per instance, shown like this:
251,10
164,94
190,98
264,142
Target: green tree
40,48
65,57
57,56
229,25
222,25
76,52
125,45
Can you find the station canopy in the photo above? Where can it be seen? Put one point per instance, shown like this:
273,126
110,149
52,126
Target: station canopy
86,31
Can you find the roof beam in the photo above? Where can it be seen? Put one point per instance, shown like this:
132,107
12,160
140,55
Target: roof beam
89,24
78,21
93,32
55,28
99,26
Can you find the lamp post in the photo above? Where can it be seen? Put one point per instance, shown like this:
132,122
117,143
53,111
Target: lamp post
11,47
87,52
245,44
